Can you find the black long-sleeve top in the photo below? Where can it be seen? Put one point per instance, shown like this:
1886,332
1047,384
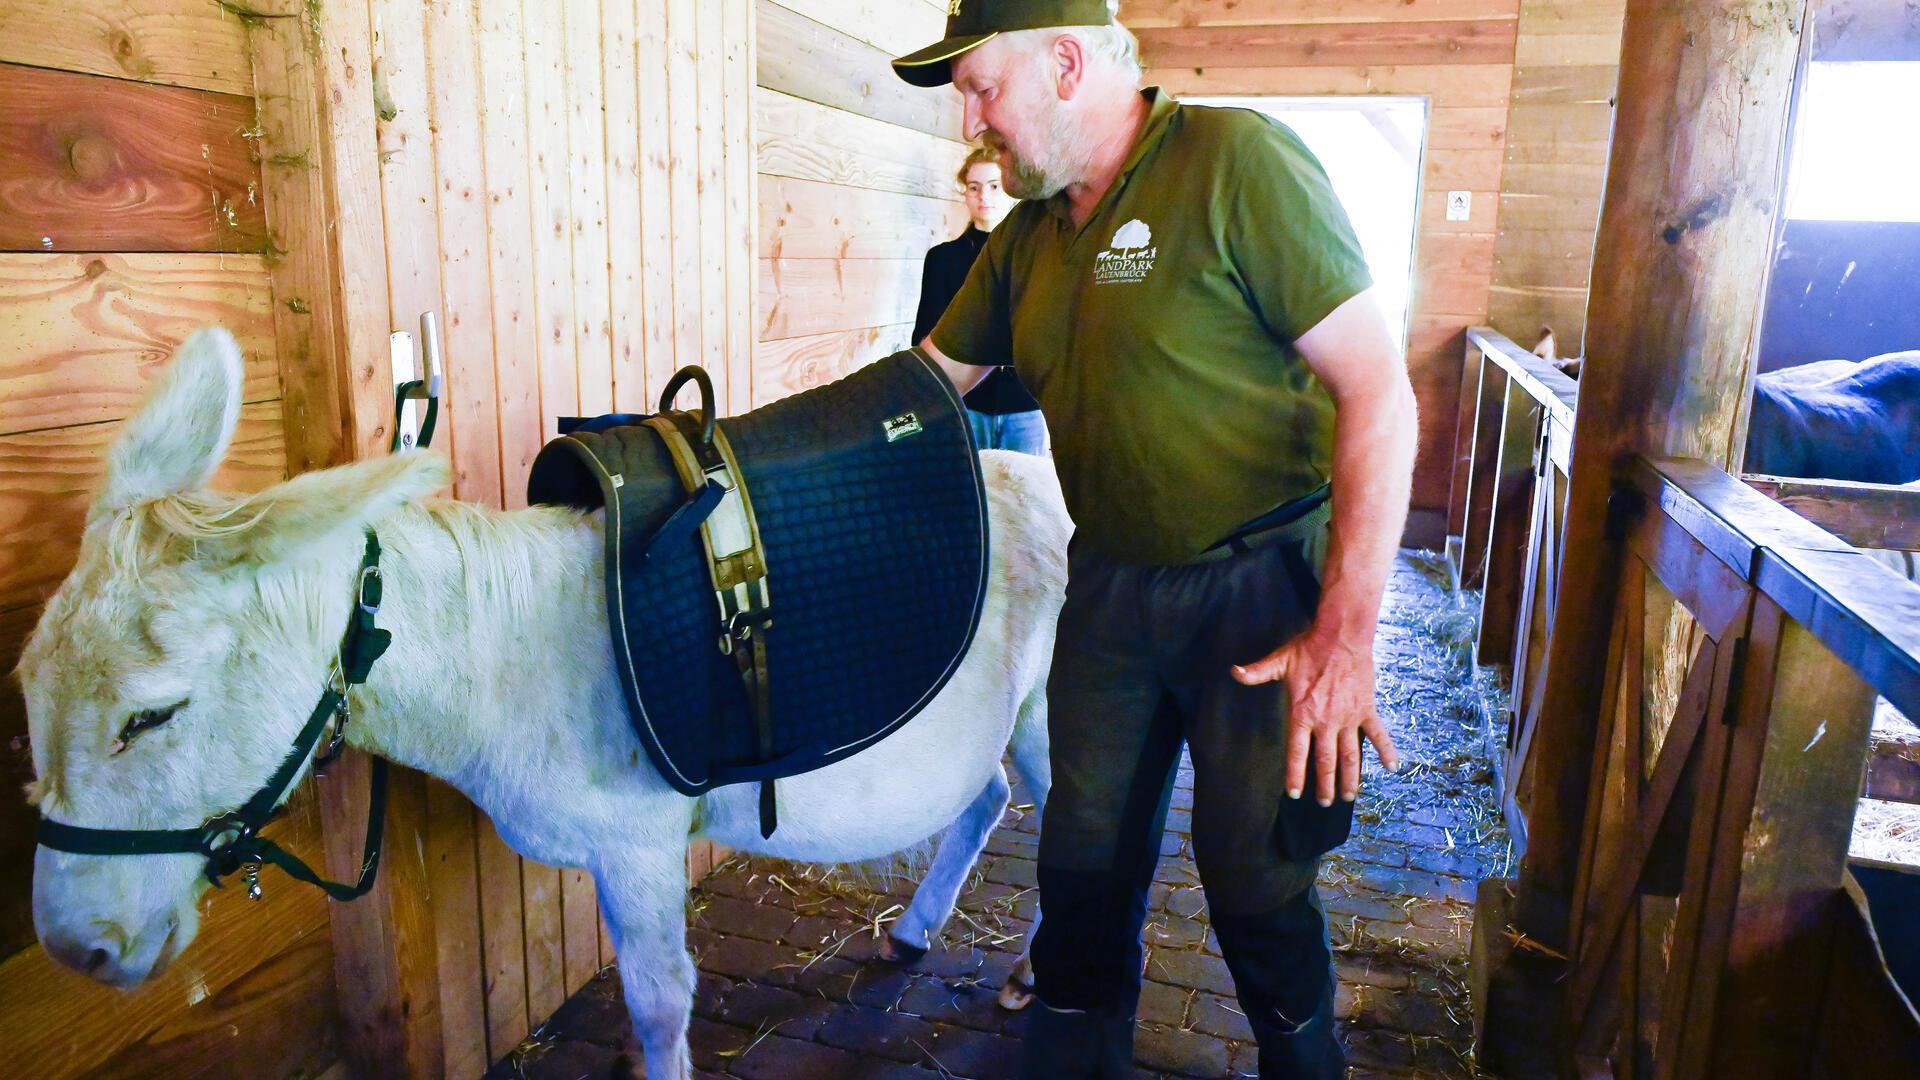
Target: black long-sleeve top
940,279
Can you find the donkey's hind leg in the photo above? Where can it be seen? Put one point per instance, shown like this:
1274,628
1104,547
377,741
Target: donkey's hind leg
909,938
1031,758
644,896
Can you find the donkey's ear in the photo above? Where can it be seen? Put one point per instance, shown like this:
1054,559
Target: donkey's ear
322,507
181,433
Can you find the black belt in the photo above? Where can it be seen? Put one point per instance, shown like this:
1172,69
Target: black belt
1294,520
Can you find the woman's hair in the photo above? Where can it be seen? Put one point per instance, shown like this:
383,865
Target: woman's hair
980,156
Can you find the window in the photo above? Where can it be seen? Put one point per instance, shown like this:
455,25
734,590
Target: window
1856,143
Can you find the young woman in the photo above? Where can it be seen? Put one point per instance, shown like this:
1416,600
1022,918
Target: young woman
1003,414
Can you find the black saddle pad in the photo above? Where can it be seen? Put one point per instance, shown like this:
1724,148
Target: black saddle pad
873,517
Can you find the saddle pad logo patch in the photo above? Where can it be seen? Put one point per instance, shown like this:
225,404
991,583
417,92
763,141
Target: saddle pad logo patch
899,427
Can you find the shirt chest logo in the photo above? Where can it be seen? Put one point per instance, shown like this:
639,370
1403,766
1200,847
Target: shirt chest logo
1129,256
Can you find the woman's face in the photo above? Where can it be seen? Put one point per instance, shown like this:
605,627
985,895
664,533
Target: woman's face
987,201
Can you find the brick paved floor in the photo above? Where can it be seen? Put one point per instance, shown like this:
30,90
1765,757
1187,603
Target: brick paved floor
789,989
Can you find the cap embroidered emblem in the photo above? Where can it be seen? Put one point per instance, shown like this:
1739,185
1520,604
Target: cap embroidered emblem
953,8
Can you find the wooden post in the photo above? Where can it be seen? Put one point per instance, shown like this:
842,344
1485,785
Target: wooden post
1679,278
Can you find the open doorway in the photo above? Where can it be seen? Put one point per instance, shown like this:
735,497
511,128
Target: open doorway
1371,148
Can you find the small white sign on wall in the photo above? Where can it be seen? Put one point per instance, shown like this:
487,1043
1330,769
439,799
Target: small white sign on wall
1459,205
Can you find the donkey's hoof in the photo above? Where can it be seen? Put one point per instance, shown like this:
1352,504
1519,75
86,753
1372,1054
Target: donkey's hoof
895,951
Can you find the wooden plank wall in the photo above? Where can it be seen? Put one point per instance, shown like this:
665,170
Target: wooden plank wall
1566,62
569,185
856,182
132,212
1458,54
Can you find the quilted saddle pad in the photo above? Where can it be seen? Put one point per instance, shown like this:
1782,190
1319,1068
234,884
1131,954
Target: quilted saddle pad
873,518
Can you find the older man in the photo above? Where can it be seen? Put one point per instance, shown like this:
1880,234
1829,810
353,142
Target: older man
1185,297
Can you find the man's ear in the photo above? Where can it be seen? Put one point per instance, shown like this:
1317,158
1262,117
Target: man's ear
1068,62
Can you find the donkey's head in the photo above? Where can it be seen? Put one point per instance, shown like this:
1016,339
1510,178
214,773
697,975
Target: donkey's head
171,671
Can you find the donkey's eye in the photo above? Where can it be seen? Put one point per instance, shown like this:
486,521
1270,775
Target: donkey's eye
145,720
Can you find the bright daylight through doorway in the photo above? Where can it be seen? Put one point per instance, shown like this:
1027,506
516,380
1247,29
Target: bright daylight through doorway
1371,148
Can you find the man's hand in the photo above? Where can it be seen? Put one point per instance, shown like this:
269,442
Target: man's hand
1331,704
1329,669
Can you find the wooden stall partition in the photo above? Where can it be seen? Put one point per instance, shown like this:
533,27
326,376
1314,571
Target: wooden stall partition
856,173
142,196
1459,55
1720,805
1566,62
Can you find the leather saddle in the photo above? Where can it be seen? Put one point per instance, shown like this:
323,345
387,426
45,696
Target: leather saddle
787,587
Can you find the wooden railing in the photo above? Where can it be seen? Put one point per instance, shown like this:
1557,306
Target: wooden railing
1513,445
1714,929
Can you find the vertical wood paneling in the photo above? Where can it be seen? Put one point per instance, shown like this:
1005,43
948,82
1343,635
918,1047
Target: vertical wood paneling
503,939
651,49
871,162
551,193
466,300
1556,155
503,100
627,321
742,225
683,165
586,167
709,60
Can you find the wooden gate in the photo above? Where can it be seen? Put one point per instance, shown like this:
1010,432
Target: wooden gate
1714,931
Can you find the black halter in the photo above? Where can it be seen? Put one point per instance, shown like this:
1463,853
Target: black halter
232,841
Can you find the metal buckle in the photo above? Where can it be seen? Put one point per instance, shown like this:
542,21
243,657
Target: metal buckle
218,836
368,573
739,627
337,738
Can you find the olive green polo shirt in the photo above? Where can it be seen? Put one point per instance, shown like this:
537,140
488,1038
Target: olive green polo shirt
1158,337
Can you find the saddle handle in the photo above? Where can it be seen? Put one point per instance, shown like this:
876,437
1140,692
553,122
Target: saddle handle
696,374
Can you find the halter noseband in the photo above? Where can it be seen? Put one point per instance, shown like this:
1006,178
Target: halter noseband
232,841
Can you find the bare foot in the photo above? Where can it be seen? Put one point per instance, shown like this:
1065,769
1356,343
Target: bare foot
1017,994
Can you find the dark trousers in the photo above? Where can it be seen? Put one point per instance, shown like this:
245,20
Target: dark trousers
1140,667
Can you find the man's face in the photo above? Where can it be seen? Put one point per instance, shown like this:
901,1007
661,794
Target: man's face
987,202
1012,108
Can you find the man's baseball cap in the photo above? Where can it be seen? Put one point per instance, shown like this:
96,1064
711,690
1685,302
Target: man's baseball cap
973,23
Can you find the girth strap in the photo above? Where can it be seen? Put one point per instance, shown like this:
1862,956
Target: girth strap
737,564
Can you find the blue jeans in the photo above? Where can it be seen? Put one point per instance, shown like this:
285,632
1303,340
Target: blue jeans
1022,431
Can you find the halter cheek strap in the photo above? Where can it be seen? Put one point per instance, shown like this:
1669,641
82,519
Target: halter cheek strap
232,841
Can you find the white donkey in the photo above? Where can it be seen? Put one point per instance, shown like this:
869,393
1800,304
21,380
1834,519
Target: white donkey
175,665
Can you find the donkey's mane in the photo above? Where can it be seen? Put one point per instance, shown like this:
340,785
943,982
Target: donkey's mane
498,549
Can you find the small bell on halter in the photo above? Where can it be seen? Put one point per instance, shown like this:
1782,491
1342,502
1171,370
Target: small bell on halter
251,871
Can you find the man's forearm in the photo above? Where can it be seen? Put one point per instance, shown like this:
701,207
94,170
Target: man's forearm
963,376
1374,440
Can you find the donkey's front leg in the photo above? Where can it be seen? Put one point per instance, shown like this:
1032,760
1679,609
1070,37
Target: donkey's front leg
911,937
644,897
